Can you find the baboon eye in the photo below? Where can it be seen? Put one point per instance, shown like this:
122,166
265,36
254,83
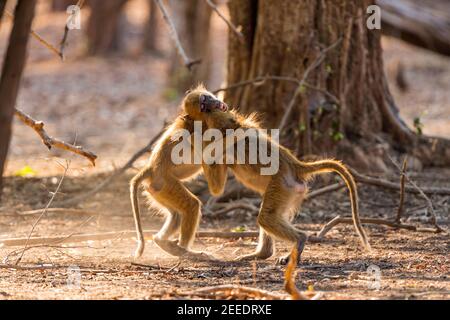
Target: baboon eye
202,98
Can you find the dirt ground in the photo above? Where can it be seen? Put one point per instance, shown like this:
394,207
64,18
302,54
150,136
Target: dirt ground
113,107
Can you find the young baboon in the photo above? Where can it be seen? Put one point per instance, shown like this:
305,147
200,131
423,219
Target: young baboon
282,192
162,181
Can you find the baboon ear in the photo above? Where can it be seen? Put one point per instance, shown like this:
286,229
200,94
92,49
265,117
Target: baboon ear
188,91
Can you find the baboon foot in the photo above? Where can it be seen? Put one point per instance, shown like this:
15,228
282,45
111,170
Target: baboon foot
171,247
140,249
255,255
284,260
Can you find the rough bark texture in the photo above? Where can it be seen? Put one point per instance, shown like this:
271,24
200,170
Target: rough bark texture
192,20
103,26
13,66
284,39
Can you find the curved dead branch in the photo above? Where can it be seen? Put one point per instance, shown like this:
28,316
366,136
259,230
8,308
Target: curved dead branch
49,141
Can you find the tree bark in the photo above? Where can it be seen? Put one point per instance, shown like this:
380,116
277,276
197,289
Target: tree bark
61,5
2,9
192,20
13,66
103,26
345,99
151,28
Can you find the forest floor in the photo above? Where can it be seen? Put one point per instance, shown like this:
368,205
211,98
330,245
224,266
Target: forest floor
114,107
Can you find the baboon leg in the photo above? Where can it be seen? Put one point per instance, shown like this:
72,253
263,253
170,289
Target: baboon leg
170,227
274,214
295,207
177,198
264,250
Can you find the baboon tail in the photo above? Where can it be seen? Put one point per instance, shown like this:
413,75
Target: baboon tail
323,166
134,187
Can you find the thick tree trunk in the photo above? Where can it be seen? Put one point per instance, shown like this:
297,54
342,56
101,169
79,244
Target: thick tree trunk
103,26
151,28
2,9
61,5
345,99
192,20
13,66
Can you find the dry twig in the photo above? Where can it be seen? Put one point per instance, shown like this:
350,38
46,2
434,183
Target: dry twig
394,186
59,211
338,220
74,238
189,63
49,141
422,193
43,213
63,42
402,192
228,22
39,38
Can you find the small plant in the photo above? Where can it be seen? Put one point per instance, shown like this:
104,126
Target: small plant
418,125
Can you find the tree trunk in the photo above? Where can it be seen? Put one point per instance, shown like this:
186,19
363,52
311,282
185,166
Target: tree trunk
13,66
344,100
192,20
2,9
61,5
103,26
151,28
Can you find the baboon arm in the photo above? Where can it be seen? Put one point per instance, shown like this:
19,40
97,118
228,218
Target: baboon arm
216,176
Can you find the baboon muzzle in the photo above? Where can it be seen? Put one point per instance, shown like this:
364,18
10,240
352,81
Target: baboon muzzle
209,103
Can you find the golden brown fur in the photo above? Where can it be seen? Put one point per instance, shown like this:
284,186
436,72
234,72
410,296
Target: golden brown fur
162,181
282,192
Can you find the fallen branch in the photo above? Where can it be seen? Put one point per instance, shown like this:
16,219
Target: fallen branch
228,22
234,291
58,211
12,242
339,220
49,141
395,186
235,206
324,190
189,63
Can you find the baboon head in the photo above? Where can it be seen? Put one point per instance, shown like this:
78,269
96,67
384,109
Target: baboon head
200,101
